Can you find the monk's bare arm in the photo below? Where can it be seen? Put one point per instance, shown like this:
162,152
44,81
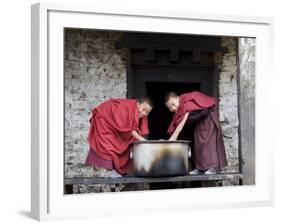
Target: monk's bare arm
179,128
137,136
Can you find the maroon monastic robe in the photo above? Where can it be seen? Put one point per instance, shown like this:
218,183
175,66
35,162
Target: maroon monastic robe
209,150
110,134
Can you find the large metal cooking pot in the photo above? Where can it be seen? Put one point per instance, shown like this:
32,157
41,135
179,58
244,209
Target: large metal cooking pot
156,158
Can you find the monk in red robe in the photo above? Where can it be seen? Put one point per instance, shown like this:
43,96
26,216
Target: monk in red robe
115,124
201,110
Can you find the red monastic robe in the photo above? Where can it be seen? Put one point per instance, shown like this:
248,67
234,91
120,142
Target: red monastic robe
110,134
209,150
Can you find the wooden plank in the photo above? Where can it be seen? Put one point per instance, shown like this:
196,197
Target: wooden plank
170,64
172,57
102,180
170,41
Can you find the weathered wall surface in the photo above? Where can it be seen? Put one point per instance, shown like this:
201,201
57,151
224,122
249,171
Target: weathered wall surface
246,84
228,103
94,72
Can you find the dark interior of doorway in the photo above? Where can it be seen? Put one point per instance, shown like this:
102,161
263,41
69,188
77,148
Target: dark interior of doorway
160,117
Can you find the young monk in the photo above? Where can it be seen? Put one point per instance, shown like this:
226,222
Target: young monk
115,124
202,110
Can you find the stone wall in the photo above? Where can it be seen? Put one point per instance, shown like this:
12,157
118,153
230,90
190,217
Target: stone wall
228,103
246,86
94,71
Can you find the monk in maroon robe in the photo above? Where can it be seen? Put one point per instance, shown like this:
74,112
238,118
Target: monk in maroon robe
115,124
209,151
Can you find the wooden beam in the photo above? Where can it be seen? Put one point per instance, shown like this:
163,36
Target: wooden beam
196,56
174,56
102,180
150,55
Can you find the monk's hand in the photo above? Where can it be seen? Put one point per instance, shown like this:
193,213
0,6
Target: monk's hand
137,136
172,138
185,116
179,128
142,139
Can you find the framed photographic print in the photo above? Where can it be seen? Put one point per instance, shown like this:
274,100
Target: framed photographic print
164,111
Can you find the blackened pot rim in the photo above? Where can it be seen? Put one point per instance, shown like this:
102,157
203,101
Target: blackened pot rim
161,141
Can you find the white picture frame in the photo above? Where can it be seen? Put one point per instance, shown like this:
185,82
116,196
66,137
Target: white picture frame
48,200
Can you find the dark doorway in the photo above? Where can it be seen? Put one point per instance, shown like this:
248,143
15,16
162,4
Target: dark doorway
159,63
160,117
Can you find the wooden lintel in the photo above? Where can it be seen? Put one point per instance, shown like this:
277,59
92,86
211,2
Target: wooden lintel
196,56
150,55
174,56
